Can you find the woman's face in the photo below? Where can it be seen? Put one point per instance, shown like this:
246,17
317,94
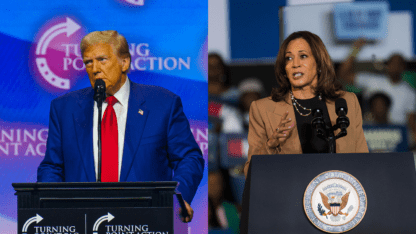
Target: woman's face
300,67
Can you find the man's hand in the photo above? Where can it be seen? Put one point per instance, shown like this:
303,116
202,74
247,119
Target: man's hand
358,44
190,212
346,72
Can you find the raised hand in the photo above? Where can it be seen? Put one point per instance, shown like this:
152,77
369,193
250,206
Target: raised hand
281,133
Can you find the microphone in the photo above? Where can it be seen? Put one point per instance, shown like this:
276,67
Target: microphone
342,110
318,123
99,97
99,92
322,130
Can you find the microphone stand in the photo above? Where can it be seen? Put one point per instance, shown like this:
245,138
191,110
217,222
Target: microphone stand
326,133
328,136
331,141
99,97
99,105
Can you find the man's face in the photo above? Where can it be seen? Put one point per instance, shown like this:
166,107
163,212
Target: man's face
379,108
247,98
395,67
215,185
215,69
102,62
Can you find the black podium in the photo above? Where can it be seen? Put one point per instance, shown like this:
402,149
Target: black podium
275,187
78,208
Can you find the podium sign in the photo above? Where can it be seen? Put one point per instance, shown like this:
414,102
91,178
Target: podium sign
276,184
95,221
386,138
96,208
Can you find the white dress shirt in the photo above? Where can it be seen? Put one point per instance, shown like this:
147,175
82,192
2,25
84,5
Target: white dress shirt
120,108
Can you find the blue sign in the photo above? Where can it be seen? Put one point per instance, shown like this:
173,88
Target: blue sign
361,20
386,138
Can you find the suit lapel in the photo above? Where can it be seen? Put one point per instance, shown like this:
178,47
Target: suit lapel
136,120
333,117
83,119
330,105
292,144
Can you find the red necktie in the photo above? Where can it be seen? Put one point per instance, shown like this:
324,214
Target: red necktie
109,142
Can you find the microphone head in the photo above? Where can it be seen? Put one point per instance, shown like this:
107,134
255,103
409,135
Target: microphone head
317,112
341,105
99,84
99,90
318,123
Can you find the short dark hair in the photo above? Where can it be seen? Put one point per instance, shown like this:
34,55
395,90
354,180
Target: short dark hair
224,66
400,56
381,95
328,86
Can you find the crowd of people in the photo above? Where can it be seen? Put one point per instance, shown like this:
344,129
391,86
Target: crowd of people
229,107
388,92
386,95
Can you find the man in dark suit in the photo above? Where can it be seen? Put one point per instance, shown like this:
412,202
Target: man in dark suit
145,134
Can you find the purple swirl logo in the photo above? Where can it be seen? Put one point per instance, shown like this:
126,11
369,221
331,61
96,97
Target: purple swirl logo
56,56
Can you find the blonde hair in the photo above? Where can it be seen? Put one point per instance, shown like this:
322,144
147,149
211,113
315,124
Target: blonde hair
112,37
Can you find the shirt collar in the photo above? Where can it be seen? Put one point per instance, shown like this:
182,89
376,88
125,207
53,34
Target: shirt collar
123,93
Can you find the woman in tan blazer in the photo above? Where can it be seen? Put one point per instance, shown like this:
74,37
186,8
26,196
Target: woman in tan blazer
281,123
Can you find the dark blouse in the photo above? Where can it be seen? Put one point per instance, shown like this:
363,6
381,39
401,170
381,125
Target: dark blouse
309,141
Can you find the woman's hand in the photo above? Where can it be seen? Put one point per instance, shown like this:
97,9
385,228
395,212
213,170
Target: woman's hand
281,133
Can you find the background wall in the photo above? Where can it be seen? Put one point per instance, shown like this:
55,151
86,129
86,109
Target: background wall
253,29
41,60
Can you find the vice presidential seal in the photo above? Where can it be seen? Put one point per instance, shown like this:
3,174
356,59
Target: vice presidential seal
335,202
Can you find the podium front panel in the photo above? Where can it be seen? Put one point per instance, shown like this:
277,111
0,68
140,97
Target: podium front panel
96,221
277,183
93,208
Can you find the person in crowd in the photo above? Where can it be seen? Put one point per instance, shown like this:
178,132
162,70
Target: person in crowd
226,214
219,83
380,105
213,221
251,89
230,119
390,82
223,98
144,132
281,123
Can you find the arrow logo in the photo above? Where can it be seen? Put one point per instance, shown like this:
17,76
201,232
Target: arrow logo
69,27
97,223
36,219
136,2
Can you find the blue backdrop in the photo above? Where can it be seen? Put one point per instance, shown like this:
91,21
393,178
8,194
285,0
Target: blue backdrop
40,61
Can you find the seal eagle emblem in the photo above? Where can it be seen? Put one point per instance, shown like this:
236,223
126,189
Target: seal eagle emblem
335,202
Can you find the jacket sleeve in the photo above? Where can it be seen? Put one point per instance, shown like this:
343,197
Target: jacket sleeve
51,169
184,153
360,143
257,136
